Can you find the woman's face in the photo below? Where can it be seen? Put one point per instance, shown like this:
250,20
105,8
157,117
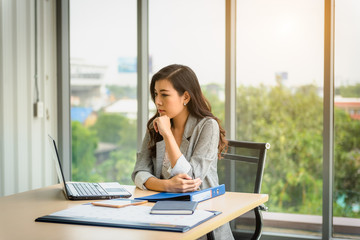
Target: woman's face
167,100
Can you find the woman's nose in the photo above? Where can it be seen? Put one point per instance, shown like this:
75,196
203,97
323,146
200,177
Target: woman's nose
157,101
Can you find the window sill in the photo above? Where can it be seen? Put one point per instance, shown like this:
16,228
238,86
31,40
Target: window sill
309,223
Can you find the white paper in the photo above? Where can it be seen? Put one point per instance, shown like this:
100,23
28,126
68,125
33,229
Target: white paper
138,214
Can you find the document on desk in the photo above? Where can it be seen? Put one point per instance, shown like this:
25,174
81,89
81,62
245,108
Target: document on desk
137,217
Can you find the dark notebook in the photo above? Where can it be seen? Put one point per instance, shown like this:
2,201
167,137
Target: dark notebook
174,207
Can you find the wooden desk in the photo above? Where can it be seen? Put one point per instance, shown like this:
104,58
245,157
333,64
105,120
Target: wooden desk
18,212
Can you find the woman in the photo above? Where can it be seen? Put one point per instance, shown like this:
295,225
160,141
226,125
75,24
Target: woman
184,139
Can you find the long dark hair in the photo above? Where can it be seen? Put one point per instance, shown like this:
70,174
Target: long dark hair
183,79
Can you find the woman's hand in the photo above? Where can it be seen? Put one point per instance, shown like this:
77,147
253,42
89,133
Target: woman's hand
183,183
162,125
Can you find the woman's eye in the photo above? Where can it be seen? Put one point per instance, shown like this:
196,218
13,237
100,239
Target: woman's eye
162,95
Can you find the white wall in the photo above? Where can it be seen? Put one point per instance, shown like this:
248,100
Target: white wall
24,154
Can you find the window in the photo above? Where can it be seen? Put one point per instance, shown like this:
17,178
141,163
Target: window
279,100
346,195
103,50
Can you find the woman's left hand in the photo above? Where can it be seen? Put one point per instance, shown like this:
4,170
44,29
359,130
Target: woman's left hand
183,183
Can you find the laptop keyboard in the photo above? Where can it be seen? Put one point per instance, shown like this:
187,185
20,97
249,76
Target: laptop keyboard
89,189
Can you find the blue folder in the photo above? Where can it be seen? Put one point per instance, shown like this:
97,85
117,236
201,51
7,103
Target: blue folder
196,196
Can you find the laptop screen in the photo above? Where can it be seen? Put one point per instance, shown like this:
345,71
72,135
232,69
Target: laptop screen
55,156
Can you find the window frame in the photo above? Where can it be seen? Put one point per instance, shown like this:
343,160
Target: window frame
328,118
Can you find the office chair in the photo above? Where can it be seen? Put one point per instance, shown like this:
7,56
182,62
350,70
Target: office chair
244,164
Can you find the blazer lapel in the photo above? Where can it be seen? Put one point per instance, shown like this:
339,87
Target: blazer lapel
184,146
188,131
160,154
189,126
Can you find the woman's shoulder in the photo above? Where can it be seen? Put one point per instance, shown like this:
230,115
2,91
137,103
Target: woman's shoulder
197,125
208,122
207,129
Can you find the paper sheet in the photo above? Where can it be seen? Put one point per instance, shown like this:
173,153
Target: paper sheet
139,214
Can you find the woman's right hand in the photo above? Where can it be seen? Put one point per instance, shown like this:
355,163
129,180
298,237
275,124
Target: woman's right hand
183,183
162,125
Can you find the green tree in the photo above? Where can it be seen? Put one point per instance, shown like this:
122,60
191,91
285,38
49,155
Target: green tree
108,126
84,143
217,106
119,166
351,91
347,163
122,131
291,121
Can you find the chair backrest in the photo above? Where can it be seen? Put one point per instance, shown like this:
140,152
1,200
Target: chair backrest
241,170
245,162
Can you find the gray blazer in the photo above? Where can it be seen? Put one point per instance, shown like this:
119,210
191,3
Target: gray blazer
199,145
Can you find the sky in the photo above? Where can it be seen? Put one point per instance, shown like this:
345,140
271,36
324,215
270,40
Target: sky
272,36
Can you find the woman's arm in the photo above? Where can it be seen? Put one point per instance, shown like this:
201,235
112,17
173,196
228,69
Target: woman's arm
179,183
163,126
144,168
143,175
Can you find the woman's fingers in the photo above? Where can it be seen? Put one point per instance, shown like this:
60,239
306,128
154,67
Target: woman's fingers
162,124
155,125
184,176
184,183
191,187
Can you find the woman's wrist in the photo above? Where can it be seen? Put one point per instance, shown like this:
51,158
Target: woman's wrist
167,134
166,183
156,184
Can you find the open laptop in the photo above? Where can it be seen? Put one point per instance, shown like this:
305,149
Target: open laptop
86,190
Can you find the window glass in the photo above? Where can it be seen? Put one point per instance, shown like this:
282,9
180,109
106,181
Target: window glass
191,33
103,50
280,101
346,196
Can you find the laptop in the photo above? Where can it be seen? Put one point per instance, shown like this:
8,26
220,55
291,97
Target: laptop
86,190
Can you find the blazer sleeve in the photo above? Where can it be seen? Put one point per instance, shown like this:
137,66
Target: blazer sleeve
204,157
144,167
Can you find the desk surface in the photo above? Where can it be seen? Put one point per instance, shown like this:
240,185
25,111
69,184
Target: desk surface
18,212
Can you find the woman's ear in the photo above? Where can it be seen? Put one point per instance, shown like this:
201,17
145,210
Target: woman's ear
186,97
